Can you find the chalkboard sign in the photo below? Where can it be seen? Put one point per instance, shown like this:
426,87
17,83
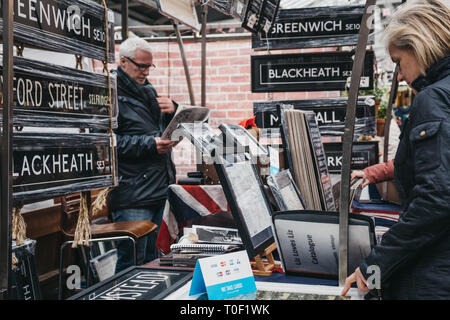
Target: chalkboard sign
307,72
48,95
75,27
364,154
311,28
25,280
330,114
137,283
46,166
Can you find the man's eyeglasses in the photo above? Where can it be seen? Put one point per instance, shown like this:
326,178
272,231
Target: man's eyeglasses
141,66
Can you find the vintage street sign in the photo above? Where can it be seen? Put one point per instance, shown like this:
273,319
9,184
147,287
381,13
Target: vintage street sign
55,96
75,27
137,283
312,28
330,114
307,72
364,154
47,165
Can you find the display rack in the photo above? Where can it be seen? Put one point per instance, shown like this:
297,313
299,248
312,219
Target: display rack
88,32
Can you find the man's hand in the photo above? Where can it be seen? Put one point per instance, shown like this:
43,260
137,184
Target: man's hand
360,174
166,105
361,282
162,146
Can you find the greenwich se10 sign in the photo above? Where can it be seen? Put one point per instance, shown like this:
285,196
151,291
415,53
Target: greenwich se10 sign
50,165
55,96
308,72
311,28
75,27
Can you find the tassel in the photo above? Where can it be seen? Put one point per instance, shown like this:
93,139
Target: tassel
19,227
101,203
82,234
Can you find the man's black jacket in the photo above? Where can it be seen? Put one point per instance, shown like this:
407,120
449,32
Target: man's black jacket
144,175
414,254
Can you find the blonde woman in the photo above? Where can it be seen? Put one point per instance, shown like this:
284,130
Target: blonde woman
412,261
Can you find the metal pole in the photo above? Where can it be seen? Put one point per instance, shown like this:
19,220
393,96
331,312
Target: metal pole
204,21
348,141
185,64
387,123
6,149
124,12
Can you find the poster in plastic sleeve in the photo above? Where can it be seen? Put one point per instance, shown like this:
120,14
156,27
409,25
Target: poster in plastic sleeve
48,95
25,279
259,15
74,27
46,166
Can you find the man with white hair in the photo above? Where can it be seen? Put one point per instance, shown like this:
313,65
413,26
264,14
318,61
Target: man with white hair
144,160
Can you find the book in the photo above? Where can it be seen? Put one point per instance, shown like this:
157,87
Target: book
308,241
184,114
189,248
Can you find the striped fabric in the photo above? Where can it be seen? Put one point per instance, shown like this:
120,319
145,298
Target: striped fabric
184,203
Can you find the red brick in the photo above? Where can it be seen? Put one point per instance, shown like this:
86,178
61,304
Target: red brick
218,62
296,95
229,88
242,78
236,97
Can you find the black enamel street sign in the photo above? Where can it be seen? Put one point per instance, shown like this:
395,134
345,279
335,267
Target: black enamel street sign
48,165
75,27
330,114
311,28
55,96
307,72
137,283
364,154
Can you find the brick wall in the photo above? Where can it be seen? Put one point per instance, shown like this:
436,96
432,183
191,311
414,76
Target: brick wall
228,87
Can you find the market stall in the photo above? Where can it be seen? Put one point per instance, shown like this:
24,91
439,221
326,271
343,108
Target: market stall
272,194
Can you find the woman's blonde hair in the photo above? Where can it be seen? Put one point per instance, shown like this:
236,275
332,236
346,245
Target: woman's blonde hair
423,27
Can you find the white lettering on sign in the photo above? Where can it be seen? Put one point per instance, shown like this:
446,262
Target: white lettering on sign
65,96
135,287
295,73
335,161
326,117
54,164
48,15
307,27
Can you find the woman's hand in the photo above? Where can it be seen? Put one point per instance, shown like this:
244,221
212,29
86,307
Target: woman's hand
357,277
360,174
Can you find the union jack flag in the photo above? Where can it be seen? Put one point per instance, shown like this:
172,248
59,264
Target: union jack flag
184,203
